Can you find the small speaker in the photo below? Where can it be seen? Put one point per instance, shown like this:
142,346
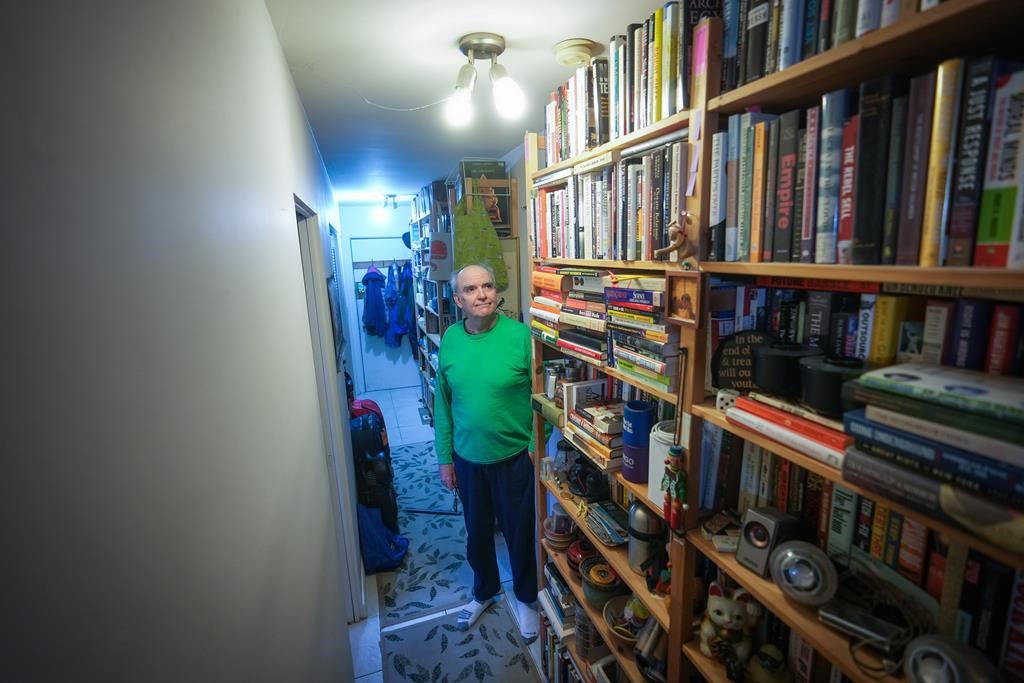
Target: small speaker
938,659
804,573
762,531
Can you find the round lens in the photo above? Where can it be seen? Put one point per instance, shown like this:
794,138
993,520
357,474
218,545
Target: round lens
758,535
802,575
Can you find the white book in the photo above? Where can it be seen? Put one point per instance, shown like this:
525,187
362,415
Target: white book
841,524
716,210
766,485
552,614
869,16
797,442
669,59
890,12
587,216
583,321
1002,451
750,476
543,315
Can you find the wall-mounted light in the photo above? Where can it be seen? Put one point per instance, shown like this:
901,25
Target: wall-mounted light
508,96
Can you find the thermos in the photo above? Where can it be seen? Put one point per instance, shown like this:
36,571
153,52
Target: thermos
646,534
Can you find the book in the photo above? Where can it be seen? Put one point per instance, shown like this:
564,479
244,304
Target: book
869,17
842,524
807,446
750,477
980,79
991,522
890,311
1004,341
993,607
759,173
771,50
865,325
744,215
998,242
732,181
913,546
808,219
972,391
876,100
823,435
671,42
938,326
890,553
847,190
894,179
948,81
606,417
920,104
582,393
834,107
865,519
755,42
718,197
786,217
766,482
809,35
970,593
844,21
1011,662
970,327
791,35
855,391
879,530
770,191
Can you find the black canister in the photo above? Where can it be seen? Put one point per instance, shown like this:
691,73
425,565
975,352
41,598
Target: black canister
777,367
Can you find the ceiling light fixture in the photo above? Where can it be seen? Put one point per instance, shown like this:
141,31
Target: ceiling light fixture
508,96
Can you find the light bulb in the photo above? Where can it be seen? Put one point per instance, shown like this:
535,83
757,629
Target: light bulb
458,110
508,96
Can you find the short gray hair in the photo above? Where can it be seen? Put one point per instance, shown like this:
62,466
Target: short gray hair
454,282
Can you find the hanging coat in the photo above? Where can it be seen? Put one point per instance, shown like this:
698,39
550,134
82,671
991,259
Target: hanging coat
375,320
401,312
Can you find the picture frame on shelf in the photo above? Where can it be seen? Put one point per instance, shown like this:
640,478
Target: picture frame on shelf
682,294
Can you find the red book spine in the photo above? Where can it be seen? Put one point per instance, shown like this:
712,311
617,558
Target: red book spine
551,294
821,434
847,189
1002,339
782,484
824,513
936,575
582,350
913,547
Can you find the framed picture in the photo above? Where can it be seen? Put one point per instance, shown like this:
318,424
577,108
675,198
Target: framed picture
683,292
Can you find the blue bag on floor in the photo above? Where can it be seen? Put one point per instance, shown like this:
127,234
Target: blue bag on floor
382,549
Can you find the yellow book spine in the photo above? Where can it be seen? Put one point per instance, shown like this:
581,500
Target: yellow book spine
940,161
879,528
657,67
757,192
890,311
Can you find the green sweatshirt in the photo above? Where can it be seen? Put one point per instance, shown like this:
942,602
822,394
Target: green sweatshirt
482,393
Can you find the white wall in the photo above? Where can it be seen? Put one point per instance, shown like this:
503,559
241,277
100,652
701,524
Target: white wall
164,495
361,220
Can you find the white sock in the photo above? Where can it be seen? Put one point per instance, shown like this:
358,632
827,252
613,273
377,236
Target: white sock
529,621
471,612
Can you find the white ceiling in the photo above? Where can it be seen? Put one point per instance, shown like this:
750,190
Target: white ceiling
404,53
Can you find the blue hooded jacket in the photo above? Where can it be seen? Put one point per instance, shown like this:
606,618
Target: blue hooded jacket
375,319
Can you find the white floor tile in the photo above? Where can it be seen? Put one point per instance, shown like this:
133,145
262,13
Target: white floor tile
364,638
417,434
375,677
381,398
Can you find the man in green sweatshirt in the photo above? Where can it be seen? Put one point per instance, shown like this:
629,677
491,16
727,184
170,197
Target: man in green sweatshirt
482,427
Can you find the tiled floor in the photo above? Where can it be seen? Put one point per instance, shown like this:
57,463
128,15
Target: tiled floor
402,417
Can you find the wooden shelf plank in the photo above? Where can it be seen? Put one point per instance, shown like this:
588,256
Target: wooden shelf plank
639,491
624,655
617,557
612,372
608,264
1000,278
915,42
711,414
803,620
660,128
710,669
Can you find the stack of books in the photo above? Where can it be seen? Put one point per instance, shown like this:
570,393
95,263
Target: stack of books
922,172
595,429
791,425
582,314
641,344
546,306
944,441
558,601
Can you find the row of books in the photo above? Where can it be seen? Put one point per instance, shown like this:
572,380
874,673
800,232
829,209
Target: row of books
920,173
970,333
644,78
619,211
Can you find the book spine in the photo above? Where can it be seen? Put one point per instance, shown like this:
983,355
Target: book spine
1004,339
844,21
742,45
770,191
913,547
824,513
894,179
798,196
819,310
879,529
785,191
865,325
833,112
970,597
935,577
809,32
825,25
823,435
875,123
756,43
757,190
847,190
869,17
791,33
798,442
889,312
970,326
940,162
890,12
717,213
915,168
865,518
750,476
771,51
890,555
938,321
1012,659
997,586
730,43
766,484
669,59
810,211
732,176
1000,197
975,115
842,524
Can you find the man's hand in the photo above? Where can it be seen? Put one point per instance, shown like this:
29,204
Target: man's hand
448,476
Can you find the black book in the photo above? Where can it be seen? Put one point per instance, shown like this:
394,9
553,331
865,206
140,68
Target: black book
758,19
894,179
972,145
770,184
600,99
594,341
812,8
996,596
785,192
631,75
872,162
824,24
819,317
798,196
741,46
771,52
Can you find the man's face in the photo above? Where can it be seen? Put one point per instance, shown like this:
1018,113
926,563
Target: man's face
476,295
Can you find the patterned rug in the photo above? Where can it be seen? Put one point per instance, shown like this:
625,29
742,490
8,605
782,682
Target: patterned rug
434,575
435,651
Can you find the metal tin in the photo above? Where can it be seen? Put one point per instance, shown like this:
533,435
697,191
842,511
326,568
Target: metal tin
646,533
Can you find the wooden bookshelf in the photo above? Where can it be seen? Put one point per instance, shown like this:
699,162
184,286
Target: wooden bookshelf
800,618
916,41
717,417
713,671
617,557
639,492
662,127
612,372
608,264
988,278
624,656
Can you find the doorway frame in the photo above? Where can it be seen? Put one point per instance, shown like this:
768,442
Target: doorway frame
336,434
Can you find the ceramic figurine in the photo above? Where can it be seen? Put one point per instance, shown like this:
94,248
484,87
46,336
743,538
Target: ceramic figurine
725,629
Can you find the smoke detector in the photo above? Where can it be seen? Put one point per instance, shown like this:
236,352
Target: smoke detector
576,51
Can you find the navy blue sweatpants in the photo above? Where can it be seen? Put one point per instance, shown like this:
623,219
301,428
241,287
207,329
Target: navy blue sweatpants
504,490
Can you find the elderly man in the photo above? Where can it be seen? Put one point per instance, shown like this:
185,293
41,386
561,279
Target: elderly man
482,426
